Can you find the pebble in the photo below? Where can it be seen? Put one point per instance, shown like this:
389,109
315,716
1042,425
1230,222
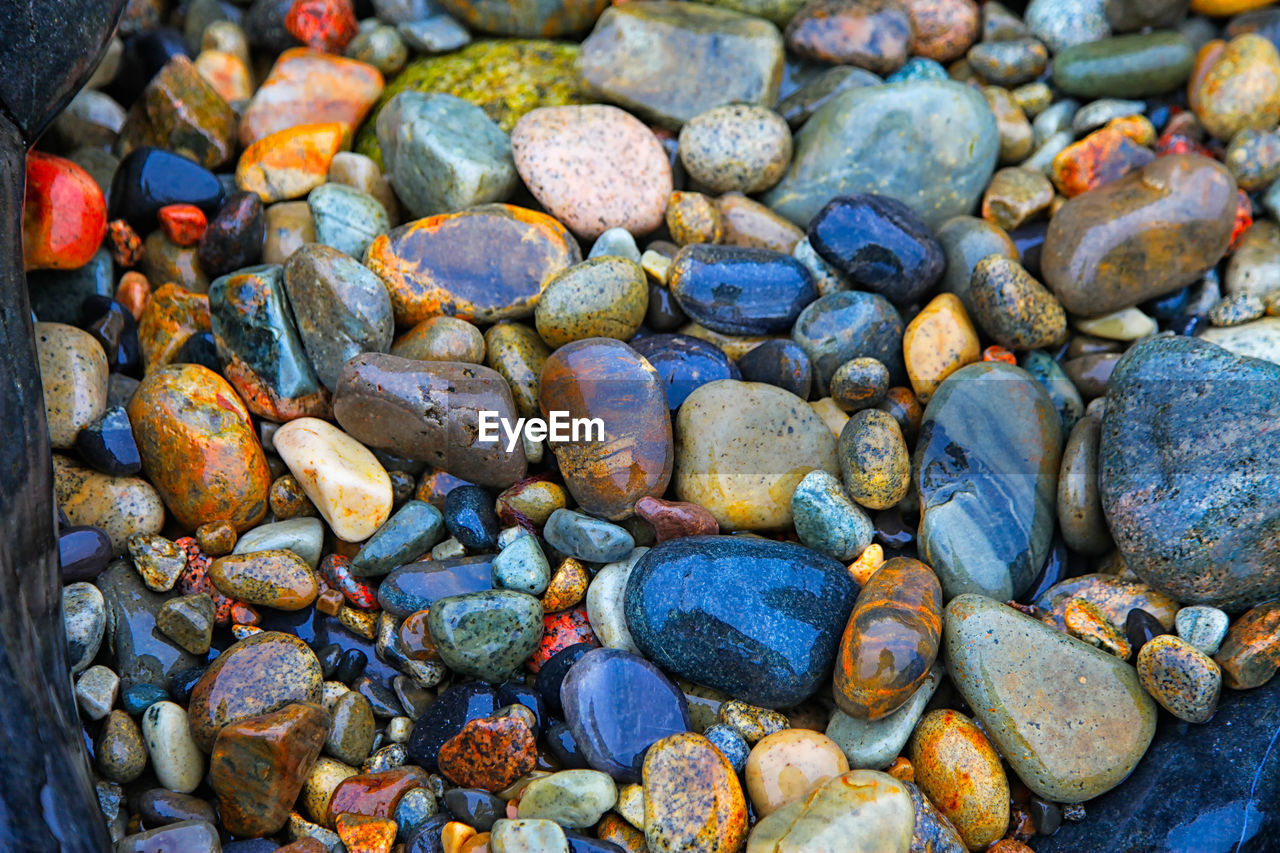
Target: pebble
489,753
685,363
120,752
188,620
826,520
522,566
692,797
1183,679
1009,63
1016,196
1202,627
469,517
1128,66
289,163
1234,86
279,579
874,460
177,762
351,729
527,836
486,634
1113,596
785,766
84,620
879,244
1250,653
966,240
605,603
574,799
1013,308
874,744
859,812
339,475
845,325
769,288
64,215
118,506
937,342
288,226
157,560
96,691
871,35
307,86
441,339
601,298
748,644
776,362
1066,743
736,148
729,460
234,235
587,538
1012,127
345,218
942,30
1080,516
73,373
959,770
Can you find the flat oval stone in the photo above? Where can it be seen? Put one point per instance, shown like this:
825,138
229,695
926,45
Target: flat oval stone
416,586
279,579
937,342
302,536
310,86
1147,234
617,705
874,460
487,263
1183,679
488,634
606,379
670,62
958,770
407,535
341,309
574,799
936,125
890,641
756,619
199,448
987,476
743,447
1202,627
587,538
599,298
880,244
340,475
1131,66
1013,308
740,291
257,675
684,363
736,148
786,765
1069,737
1184,458
862,811
431,410
846,325
874,35
692,797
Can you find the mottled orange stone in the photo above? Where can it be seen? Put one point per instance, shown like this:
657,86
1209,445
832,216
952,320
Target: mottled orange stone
995,352
327,25
1210,52
692,797
959,770
227,73
290,163
1250,653
307,86
454,835
614,829
64,215
890,640
902,770
171,316
374,794
489,753
559,632
362,834
484,264
871,559
183,224
127,249
938,341
567,588
1101,157
198,447
1240,87
134,292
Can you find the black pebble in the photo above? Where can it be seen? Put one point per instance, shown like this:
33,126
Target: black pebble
83,552
107,444
200,349
1046,816
880,244
779,362
150,178
519,693
474,807
329,656
234,236
564,747
552,673
351,666
469,516
1139,627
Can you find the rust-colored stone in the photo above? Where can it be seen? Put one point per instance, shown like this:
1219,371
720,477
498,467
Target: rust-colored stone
1101,157
171,316
489,753
362,834
374,794
674,519
1250,653
310,86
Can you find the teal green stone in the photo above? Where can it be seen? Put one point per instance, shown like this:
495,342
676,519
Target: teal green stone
815,91
486,635
931,144
587,538
57,295
918,68
443,153
826,520
1066,397
302,536
522,566
347,219
402,538
252,322
1132,66
341,308
986,464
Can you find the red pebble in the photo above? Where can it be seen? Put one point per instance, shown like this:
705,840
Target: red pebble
1244,218
195,579
326,25
64,217
183,224
126,245
336,570
1179,143
561,630
999,353
676,519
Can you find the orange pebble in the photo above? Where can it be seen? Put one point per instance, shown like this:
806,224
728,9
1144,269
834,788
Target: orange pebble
290,163
1009,845
902,770
126,245
364,834
1244,218
477,844
999,353
183,224
868,561
329,602
64,214
454,835
133,292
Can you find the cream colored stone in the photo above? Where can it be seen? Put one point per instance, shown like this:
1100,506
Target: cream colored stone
339,474
786,765
73,372
862,811
832,415
175,758
1128,324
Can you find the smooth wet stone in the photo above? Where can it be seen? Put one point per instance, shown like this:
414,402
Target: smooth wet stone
826,520
1228,564
426,273
1234,86
158,560
441,338
740,291
1250,652
338,474
942,30
987,480
107,443
762,643
180,112
1080,516
1068,740
290,163
279,579
117,506
1067,22
891,640
879,244
692,797
1183,679
574,799
846,325
351,734
937,172
177,762
470,519
873,35
1253,266
73,374
1009,63
119,753
257,675
346,219
723,57
1017,311
684,363
874,460
234,235
490,753
874,744
606,379
151,178
1095,270
64,214
736,148
587,538
522,566
302,536
160,807
937,342
142,654
198,836
729,457
785,766
198,447
1202,627
778,362
966,240
416,586
431,411
407,535
528,835
1016,196
306,86
601,298
84,620
486,634
188,620
959,771
857,812
1131,66
1113,596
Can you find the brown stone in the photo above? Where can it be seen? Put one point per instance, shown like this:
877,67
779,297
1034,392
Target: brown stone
1250,653
871,34
258,766
278,578
749,223
674,519
489,753
374,794
180,112
942,30
362,834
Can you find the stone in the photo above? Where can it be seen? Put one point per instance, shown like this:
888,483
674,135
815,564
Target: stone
587,538
96,691
119,752
574,799
288,226
729,459
489,753
874,461
593,167
118,506
987,480
188,620
724,57
180,112
289,163
937,342
1061,25
302,536
352,730
259,765
740,290
64,214
785,766
1129,66
1250,652
1102,157
1235,87
736,148
148,179
198,447
856,812
606,379
1218,455
692,797
874,744
1183,679
84,620
486,634
684,363
1065,743
73,374
966,240
748,644
864,33
1013,308
1009,63
307,86
107,443
957,768
838,151
1016,196
845,325
339,475
345,218
441,338
942,30
431,411
175,758
826,520
532,835
599,298
255,676
279,579
443,153
1202,627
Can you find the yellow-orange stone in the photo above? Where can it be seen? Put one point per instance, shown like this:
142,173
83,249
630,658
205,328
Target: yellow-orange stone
341,476
290,163
958,769
307,86
1222,8
938,342
786,765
